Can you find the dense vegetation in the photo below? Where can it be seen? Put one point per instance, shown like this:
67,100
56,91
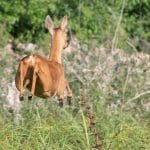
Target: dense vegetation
94,19
107,64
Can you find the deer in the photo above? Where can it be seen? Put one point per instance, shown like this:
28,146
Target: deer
44,77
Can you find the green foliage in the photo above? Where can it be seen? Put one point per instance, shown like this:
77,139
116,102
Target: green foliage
136,18
88,19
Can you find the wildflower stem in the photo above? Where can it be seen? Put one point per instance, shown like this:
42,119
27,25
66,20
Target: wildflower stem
86,132
136,97
125,85
114,42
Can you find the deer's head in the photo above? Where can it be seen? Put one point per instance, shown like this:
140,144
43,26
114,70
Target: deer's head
60,35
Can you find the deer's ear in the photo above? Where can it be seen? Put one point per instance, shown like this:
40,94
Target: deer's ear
49,24
64,22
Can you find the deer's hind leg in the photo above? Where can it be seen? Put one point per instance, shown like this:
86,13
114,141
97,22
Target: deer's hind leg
33,86
61,100
22,75
20,81
69,93
62,87
60,92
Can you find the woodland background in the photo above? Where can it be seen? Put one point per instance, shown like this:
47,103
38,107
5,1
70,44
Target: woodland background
107,64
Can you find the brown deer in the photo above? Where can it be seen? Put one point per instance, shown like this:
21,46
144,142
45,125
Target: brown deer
44,77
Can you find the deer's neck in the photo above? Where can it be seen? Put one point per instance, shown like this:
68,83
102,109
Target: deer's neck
55,52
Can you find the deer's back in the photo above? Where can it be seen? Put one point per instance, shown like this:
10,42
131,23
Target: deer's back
49,74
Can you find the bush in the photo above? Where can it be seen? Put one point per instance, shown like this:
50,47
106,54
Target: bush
89,20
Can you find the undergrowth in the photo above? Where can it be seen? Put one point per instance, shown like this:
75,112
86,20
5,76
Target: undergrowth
110,108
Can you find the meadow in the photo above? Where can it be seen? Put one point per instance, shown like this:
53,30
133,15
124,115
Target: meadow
108,73
114,88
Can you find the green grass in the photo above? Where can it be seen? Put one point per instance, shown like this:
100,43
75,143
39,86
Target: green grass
45,126
42,128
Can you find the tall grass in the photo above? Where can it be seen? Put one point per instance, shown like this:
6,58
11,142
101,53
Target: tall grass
115,38
48,127
110,85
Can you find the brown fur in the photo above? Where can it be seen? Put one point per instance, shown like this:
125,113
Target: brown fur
44,77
